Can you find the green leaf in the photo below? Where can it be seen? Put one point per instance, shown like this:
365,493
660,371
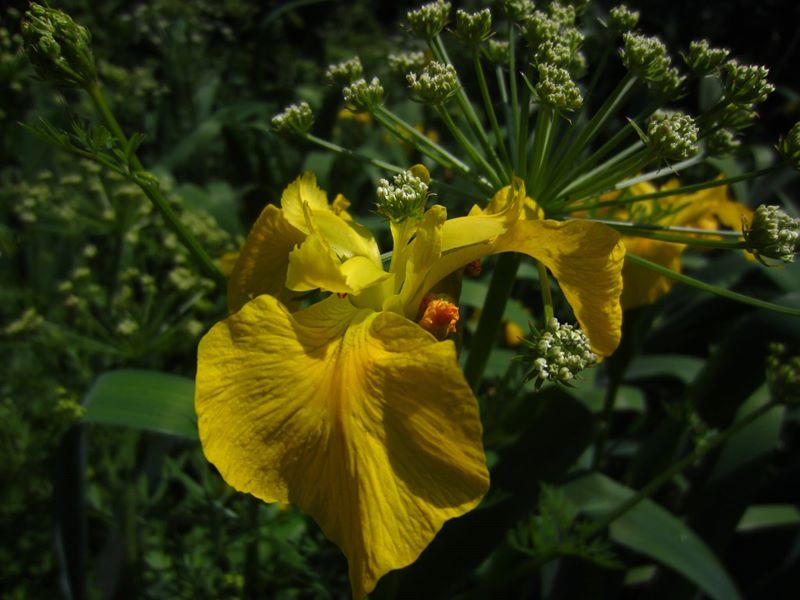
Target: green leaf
143,400
679,366
769,515
653,531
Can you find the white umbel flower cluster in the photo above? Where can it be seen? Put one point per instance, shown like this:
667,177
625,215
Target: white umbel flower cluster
403,197
558,353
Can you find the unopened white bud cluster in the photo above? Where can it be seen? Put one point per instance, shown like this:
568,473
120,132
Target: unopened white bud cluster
672,135
364,96
345,73
428,20
435,84
403,62
556,88
773,234
745,84
558,353
295,119
403,197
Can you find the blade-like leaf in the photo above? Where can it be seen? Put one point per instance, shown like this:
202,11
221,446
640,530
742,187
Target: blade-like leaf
651,530
144,400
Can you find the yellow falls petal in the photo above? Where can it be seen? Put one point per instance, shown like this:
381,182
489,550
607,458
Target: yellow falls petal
586,259
264,258
643,286
360,418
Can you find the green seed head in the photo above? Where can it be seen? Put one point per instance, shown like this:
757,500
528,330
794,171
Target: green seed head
621,19
745,84
428,20
363,96
722,143
703,60
783,375
645,56
790,146
772,234
58,47
344,73
403,62
473,28
556,88
672,135
296,119
437,83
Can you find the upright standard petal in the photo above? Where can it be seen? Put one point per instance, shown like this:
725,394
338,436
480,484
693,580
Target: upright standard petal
264,259
360,418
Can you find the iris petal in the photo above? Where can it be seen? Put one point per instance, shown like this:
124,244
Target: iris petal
264,259
360,418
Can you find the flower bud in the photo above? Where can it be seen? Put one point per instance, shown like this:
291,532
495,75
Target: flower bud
745,84
58,47
703,60
772,234
672,135
436,83
516,10
473,28
498,52
621,19
721,143
556,88
404,62
789,146
363,96
428,20
344,73
405,196
644,56
296,119
783,375
668,85
558,353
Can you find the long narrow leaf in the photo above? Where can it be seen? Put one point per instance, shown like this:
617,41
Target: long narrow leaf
651,530
144,400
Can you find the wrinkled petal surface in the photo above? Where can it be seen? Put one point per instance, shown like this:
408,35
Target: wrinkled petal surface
360,418
264,259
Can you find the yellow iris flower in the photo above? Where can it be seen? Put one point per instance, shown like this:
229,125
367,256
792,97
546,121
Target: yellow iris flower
706,209
349,408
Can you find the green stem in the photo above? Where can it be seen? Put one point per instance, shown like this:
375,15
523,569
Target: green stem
654,233
505,273
465,144
522,132
512,80
468,111
605,421
199,254
541,143
544,286
707,287
583,166
655,484
607,175
351,154
487,102
685,189
595,124
397,126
